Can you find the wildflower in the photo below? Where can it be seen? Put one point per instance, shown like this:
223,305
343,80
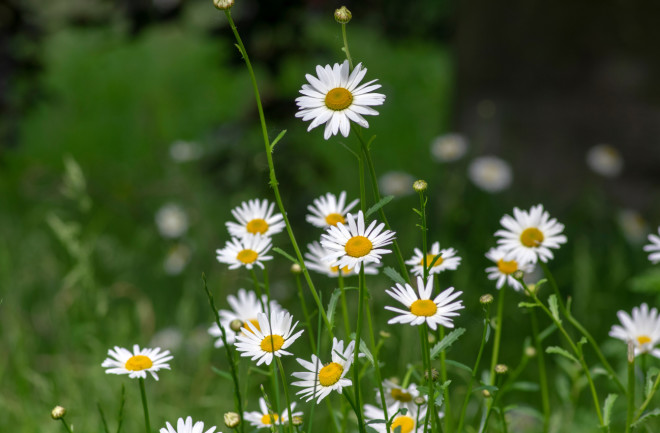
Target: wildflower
247,251
404,423
486,299
398,397
490,173
449,147
653,247
185,151
528,236
255,217
320,380
222,5
336,98
420,307
138,363
244,309
420,185
605,160
446,260
232,419
186,427
269,339
172,221
643,329
315,261
343,15
501,368
355,246
328,210
58,412
506,269
396,183
266,418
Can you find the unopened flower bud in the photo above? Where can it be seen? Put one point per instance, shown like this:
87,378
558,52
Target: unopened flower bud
58,412
232,419
434,376
384,334
297,420
531,288
486,299
486,393
295,268
431,338
343,15
530,351
501,369
518,274
236,325
223,4
420,185
419,401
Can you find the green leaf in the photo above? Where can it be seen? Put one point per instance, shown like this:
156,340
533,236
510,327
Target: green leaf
525,386
648,386
643,418
365,350
221,373
446,342
458,364
554,307
394,275
285,254
559,351
527,304
547,331
607,408
278,138
383,201
489,388
332,306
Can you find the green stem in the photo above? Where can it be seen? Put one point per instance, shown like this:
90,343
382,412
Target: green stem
346,51
356,369
443,374
66,426
286,394
498,334
344,304
143,393
631,386
426,358
648,397
379,377
308,323
543,377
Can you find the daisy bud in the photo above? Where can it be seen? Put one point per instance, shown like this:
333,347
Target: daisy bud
343,15
297,421
486,393
223,4
419,401
58,412
486,299
232,419
295,268
431,338
530,352
384,334
501,369
434,375
420,185
631,352
532,289
236,325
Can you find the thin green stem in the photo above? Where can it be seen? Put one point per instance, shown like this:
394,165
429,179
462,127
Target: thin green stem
346,51
646,402
303,305
66,426
631,386
543,376
356,369
443,374
145,408
426,357
344,304
379,377
498,334
286,393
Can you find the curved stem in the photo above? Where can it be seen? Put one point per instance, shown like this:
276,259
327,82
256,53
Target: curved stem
66,426
646,402
145,408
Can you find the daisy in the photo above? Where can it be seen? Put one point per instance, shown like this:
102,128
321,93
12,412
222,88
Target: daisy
255,218
172,221
186,427
605,160
447,260
634,226
327,210
266,418
643,329
505,267
353,245
420,307
138,363
336,98
396,183
320,380
530,235
449,147
268,339
490,173
247,251
245,309
653,247
407,423
398,397
315,262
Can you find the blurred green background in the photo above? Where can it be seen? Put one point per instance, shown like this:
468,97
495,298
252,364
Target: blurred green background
110,111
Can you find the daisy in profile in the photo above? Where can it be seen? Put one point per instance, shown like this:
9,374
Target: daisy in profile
337,98
248,251
138,363
329,210
353,246
186,426
405,423
447,260
653,247
420,308
320,380
269,338
529,236
398,397
643,329
255,217
505,267
244,308
314,261
267,418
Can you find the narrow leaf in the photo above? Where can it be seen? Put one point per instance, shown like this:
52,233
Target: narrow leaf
607,408
527,305
458,364
285,254
394,275
526,386
367,353
221,373
446,342
559,351
278,138
554,308
643,418
332,306
383,201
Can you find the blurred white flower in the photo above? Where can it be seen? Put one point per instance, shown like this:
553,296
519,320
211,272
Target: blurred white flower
396,183
172,221
177,258
490,173
169,338
605,160
184,151
634,226
449,147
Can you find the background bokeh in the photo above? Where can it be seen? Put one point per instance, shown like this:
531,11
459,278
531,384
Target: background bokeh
111,110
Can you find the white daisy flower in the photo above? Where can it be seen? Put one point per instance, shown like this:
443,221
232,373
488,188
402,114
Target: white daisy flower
186,426
530,235
447,260
138,363
337,98
244,308
449,147
634,226
505,267
320,380
398,397
266,418
255,218
329,210
355,246
396,183
643,329
314,261
172,221
420,307
490,173
605,160
247,251
268,339
407,423
653,248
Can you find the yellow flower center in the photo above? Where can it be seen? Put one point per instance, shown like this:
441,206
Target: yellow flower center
406,423
330,374
401,395
429,259
272,343
257,225
358,246
254,322
138,362
531,237
247,256
334,218
269,418
643,339
344,270
507,267
423,307
338,99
